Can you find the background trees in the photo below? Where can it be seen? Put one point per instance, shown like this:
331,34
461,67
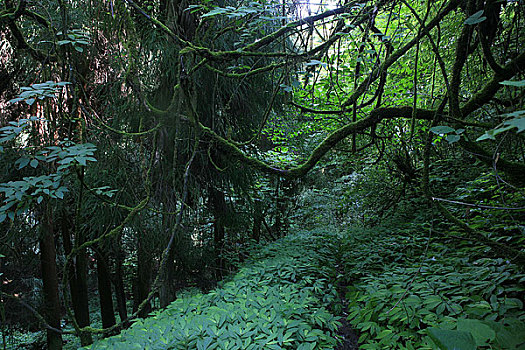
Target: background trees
143,139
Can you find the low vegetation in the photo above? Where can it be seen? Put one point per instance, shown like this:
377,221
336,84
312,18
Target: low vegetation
279,300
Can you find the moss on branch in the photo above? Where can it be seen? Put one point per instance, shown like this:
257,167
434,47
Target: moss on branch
326,145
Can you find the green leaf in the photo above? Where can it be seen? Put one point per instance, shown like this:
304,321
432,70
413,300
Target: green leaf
22,162
34,163
452,340
215,12
520,83
476,18
453,138
480,331
518,123
315,63
489,135
441,129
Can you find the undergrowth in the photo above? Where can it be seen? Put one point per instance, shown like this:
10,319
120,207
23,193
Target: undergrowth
280,299
412,290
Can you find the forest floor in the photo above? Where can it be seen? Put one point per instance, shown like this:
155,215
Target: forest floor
348,335
381,288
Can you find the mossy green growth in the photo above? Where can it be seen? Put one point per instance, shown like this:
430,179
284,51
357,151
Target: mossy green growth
279,300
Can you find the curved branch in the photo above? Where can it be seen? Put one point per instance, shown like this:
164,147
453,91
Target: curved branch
326,145
488,54
22,44
485,94
514,170
461,54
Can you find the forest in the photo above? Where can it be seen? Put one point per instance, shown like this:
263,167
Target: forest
262,174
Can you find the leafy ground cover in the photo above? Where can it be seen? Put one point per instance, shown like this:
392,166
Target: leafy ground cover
280,299
413,290
402,290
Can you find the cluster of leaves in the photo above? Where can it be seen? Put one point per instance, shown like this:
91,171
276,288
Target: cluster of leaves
405,296
76,38
20,194
278,300
39,91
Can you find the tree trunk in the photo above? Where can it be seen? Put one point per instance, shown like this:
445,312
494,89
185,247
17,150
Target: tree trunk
107,312
277,225
81,302
258,217
118,281
219,210
77,278
143,280
52,311
167,288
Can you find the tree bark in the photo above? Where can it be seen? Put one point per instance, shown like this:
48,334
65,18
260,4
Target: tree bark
143,279
52,312
167,290
258,217
77,278
107,312
219,210
118,281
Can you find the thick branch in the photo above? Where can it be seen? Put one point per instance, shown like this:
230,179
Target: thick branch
514,170
289,27
326,145
484,95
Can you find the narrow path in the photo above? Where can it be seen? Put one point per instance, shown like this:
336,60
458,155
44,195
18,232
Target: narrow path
345,331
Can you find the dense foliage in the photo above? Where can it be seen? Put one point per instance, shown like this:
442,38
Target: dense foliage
146,145
279,300
409,289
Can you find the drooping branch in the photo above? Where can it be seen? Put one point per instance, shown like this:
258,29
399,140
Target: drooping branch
485,94
375,117
515,170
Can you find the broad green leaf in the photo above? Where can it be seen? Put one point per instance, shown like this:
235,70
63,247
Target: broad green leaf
315,63
476,18
489,135
453,138
22,162
215,12
480,331
519,83
441,129
518,123
452,340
